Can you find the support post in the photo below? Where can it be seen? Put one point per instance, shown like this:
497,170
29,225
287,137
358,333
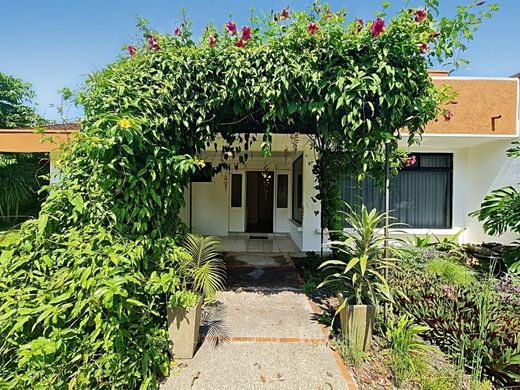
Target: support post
387,216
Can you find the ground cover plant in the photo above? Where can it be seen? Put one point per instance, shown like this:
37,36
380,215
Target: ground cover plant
83,290
473,316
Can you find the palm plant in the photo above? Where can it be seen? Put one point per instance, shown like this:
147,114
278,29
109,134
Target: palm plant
18,182
203,269
363,263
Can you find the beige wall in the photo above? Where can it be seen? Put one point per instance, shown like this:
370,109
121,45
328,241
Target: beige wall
478,101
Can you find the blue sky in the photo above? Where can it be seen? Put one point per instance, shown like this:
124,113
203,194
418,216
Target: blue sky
56,43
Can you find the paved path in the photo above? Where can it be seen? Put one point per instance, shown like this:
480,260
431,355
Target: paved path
262,339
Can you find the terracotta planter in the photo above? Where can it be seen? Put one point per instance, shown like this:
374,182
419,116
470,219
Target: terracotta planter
357,323
183,330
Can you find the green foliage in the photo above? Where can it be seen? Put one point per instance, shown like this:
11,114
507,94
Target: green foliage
450,271
183,298
19,183
351,351
203,270
469,322
406,348
16,104
362,263
83,291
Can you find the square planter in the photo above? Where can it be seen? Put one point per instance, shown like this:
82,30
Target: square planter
183,329
357,323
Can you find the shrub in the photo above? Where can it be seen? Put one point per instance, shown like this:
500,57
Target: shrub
469,321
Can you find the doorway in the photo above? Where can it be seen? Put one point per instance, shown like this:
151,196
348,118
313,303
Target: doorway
259,203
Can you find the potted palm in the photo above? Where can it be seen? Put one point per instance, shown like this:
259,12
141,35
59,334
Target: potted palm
202,273
360,268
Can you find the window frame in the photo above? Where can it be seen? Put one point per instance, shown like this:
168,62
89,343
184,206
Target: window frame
294,197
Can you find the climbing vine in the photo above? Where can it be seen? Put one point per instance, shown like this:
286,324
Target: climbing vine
82,291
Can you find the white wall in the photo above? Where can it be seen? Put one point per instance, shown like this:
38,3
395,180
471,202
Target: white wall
489,168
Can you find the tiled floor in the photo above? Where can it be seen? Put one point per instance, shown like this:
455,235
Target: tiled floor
246,244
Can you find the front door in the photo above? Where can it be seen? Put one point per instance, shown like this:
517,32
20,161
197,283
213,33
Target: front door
259,203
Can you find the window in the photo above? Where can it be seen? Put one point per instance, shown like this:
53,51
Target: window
420,195
282,191
236,190
203,175
297,194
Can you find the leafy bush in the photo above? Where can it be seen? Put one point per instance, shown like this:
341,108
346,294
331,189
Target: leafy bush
469,321
85,315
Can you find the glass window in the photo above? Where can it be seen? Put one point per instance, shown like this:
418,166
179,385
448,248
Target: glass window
282,191
297,194
236,190
420,195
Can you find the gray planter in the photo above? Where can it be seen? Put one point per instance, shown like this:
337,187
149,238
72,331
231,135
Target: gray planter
183,330
357,324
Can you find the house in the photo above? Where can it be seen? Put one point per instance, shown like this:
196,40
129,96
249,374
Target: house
457,163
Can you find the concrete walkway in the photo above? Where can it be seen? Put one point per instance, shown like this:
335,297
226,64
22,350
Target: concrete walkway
261,339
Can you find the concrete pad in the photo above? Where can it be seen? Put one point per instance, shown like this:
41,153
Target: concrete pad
281,314
237,366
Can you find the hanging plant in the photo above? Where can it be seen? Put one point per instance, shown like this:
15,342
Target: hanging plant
285,154
266,179
226,181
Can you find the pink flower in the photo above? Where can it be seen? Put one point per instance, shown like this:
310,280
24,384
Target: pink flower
410,161
420,15
328,16
212,41
312,28
152,43
423,47
377,27
284,14
246,33
359,25
448,116
131,50
178,31
231,27
449,291
240,43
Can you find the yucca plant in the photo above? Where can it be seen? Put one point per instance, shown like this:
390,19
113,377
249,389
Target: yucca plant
203,270
362,265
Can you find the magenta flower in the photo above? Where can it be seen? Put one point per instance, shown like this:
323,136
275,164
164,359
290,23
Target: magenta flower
246,33
152,43
312,28
423,48
359,25
240,43
420,15
131,50
448,116
377,27
212,41
178,31
284,14
410,161
231,27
